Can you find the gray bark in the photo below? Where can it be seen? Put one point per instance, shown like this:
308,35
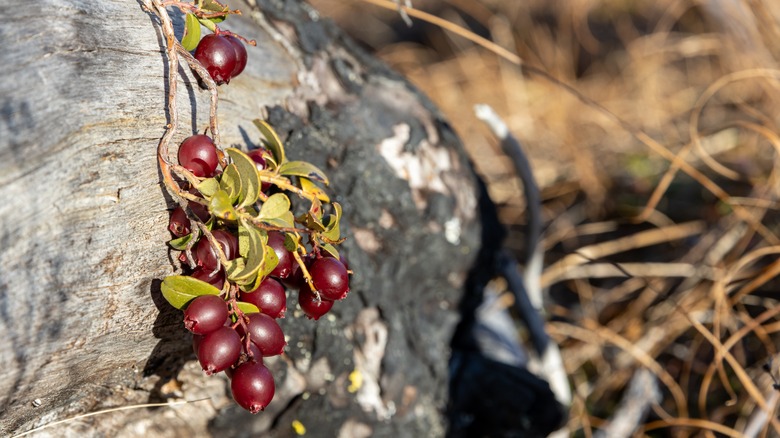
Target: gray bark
83,227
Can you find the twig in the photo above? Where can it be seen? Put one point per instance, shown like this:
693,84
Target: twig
642,392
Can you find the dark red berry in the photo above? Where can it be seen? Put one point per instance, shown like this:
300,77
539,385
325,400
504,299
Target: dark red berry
265,333
199,155
269,297
257,156
294,280
219,349
311,306
205,314
196,340
255,356
216,279
252,386
241,57
218,56
179,224
330,278
207,257
284,268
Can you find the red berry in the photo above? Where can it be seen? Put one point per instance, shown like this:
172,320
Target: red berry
219,349
330,278
257,156
218,56
179,224
205,314
206,255
252,386
216,279
198,155
269,297
265,333
284,268
311,306
241,56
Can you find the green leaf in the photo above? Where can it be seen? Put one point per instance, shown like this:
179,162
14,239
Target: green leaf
331,250
255,257
191,32
309,187
311,222
180,243
269,262
214,6
179,290
243,241
286,220
275,206
304,169
234,266
332,231
247,173
209,23
272,141
221,207
247,307
291,241
208,187
230,182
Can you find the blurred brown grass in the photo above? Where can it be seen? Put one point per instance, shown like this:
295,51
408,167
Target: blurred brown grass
659,176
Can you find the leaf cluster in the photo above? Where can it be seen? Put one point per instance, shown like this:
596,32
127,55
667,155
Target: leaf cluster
237,202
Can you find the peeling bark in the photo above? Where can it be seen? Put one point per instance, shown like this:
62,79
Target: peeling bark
83,227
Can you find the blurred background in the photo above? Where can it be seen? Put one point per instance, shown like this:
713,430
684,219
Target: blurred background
652,128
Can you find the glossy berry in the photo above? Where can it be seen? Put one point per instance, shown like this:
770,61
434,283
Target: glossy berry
198,155
284,268
330,278
179,224
219,349
205,314
207,257
255,356
311,306
252,386
257,156
265,333
241,57
218,56
269,297
216,279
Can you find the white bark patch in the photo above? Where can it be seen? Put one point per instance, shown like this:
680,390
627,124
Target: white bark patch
422,170
368,361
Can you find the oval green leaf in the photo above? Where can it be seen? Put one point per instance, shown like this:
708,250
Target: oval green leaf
208,187
247,307
247,174
332,231
179,290
309,187
221,207
180,243
191,32
230,182
304,169
275,206
272,140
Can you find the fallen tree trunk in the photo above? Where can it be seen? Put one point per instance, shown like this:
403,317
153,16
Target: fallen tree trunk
82,324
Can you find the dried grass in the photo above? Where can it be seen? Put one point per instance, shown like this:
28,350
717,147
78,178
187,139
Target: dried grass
652,127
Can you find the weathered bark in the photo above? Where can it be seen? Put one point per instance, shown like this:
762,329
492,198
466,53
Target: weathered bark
83,227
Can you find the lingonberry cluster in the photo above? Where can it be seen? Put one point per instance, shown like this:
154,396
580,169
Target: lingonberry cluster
241,246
